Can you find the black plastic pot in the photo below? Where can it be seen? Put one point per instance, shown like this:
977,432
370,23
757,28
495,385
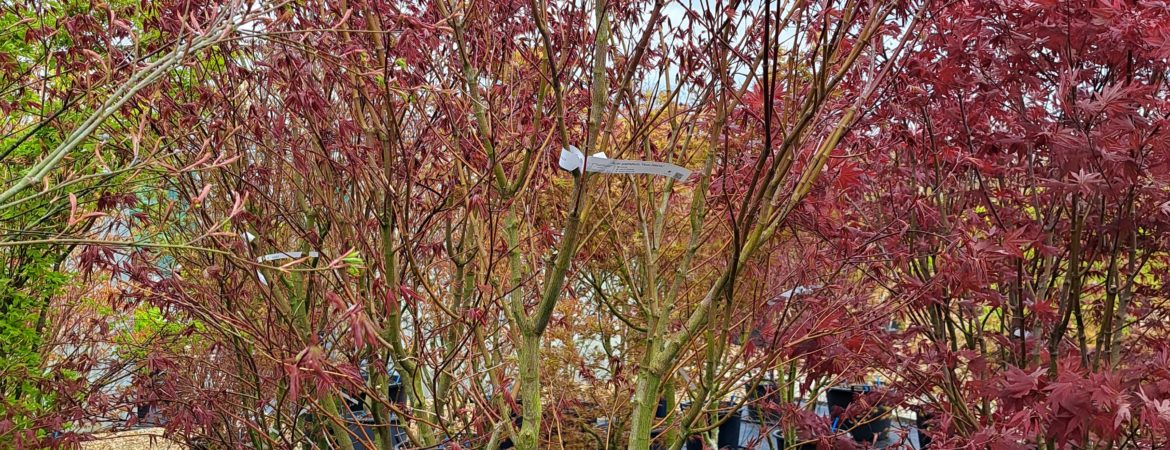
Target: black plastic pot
396,393
517,421
362,433
923,421
586,413
875,423
778,437
507,443
356,404
729,435
762,390
654,443
142,411
694,442
659,413
365,431
839,397
729,431
148,415
760,397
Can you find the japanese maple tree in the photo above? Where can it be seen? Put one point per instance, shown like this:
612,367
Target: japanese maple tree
1022,162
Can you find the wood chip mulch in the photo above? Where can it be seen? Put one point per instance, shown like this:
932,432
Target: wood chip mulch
142,439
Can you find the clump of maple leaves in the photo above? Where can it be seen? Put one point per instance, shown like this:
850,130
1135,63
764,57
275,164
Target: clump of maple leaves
1019,174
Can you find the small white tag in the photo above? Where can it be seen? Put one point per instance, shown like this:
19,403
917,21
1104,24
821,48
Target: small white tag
279,256
285,255
572,159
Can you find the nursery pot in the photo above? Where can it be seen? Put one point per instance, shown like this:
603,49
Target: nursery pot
517,420
586,413
695,442
396,393
654,443
142,411
778,438
362,432
758,395
729,431
874,424
659,413
148,415
365,431
922,422
356,403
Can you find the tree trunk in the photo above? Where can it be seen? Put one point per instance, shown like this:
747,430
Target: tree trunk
645,402
529,352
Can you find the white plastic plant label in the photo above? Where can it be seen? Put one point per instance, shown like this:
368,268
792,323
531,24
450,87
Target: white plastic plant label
279,256
285,255
572,159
